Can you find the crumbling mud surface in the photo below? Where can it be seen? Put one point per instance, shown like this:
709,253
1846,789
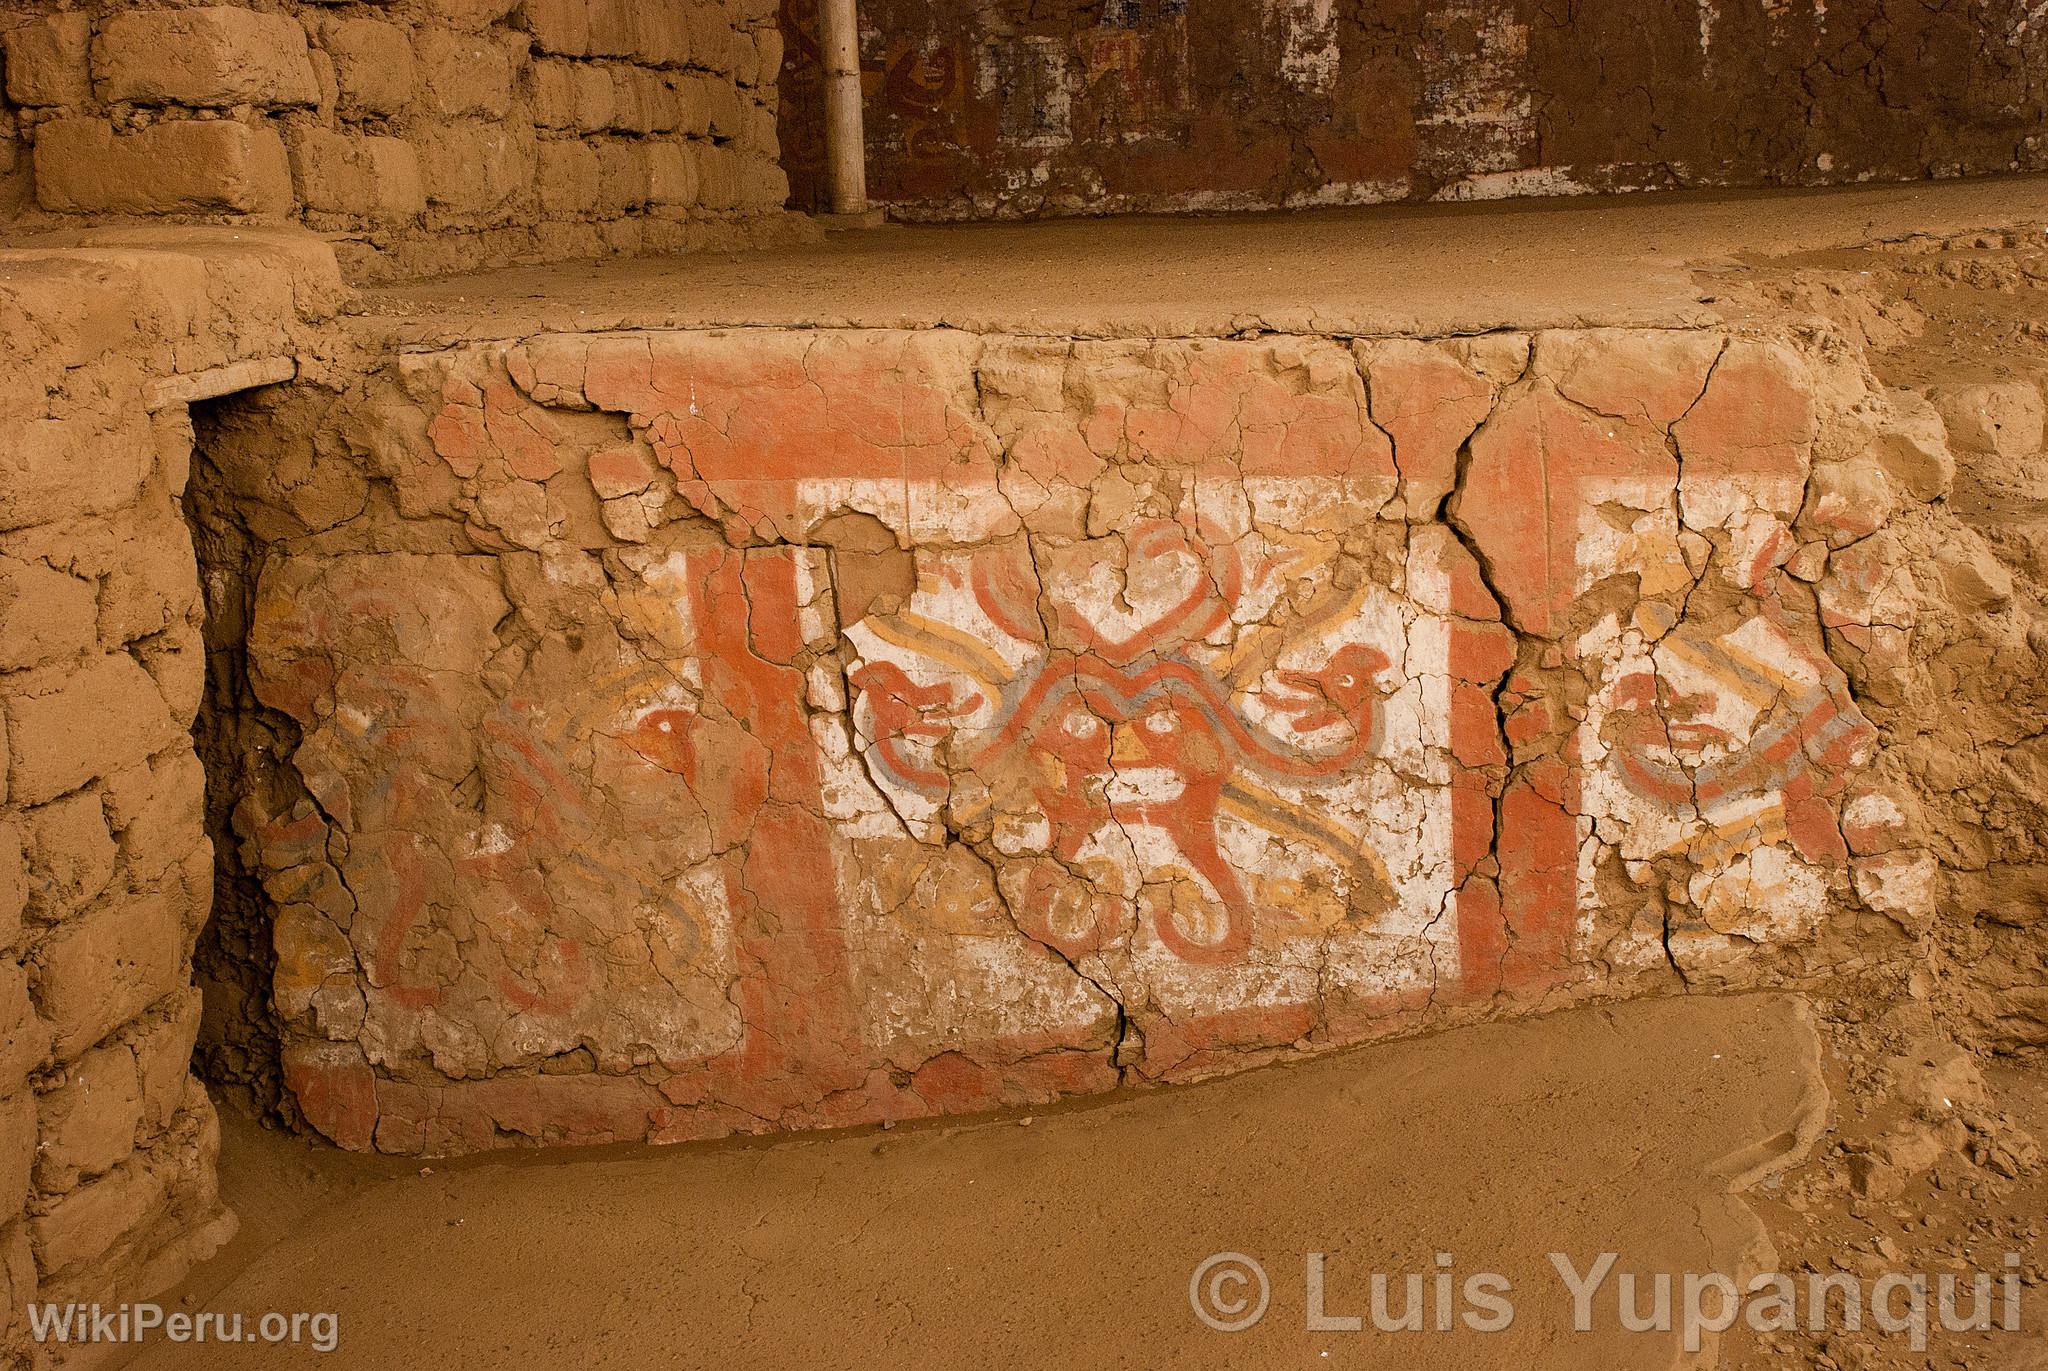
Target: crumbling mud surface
1953,329
1929,1166
1933,1161
737,730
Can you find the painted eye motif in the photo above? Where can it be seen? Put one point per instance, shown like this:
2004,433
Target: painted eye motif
1162,722
1346,681
662,738
1083,726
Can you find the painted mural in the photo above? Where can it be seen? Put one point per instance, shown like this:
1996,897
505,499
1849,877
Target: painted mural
800,728
1009,109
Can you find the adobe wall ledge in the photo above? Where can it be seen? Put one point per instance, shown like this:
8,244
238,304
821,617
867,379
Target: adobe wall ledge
106,871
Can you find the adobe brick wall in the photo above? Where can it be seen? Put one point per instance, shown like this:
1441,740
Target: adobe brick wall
1102,106
106,871
424,137
703,732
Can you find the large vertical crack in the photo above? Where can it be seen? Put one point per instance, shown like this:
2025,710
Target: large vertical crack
1448,514
246,749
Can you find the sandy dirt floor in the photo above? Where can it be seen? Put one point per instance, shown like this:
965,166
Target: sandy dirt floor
1068,1238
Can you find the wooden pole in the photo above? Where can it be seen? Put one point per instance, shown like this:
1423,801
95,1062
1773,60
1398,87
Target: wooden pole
845,142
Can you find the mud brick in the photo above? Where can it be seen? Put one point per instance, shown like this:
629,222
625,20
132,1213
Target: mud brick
92,1218
71,854
720,173
52,469
169,823
614,26
725,111
149,578
1913,447
693,92
87,1123
713,44
163,1059
672,174
374,68
83,166
762,182
47,63
213,57
24,1038
93,722
377,178
472,167
550,86
641,102
2000,418
559,26
176,661
108,965
663,30
463,73
44,614
623,177
594,99
569,173
760,135
767,55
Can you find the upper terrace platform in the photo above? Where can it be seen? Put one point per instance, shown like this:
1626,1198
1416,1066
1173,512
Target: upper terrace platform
1384,270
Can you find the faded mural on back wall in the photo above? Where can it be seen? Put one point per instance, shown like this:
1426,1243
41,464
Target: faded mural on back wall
1019,108
767,729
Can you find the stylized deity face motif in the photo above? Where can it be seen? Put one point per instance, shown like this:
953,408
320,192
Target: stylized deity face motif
1169,753
1715,724
1706,718
1126,746
1113,757
1067,762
